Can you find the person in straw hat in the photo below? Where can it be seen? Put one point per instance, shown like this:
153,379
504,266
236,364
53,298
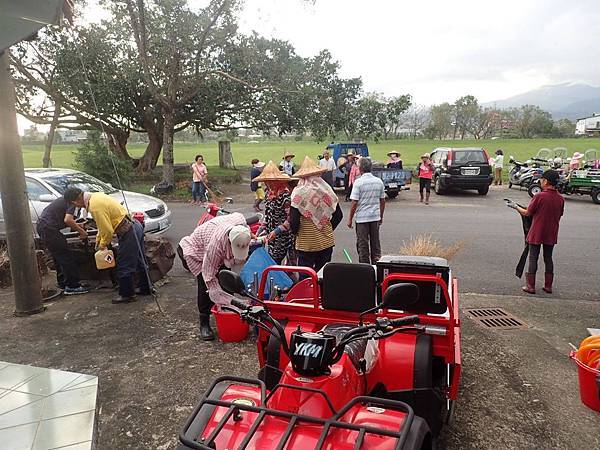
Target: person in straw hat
255,186
287,165
394,162
315,212
277,210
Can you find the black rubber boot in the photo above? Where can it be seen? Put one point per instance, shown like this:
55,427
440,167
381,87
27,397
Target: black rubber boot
206,332
126,291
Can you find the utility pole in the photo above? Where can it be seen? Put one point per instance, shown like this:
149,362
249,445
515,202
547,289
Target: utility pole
15,203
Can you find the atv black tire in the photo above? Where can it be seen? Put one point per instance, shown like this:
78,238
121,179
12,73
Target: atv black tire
392,195
437,187
483,190
509,185
596,196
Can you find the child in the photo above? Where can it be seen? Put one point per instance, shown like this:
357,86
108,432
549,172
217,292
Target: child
255,186
425,171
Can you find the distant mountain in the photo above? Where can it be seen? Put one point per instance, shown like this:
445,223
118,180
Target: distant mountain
567,100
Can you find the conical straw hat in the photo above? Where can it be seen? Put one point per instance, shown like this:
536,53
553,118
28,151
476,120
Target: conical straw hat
272,173
309,168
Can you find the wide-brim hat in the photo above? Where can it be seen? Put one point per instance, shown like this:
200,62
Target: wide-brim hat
577,155
272,173
259,164
425,155
309,168
288,153
393,152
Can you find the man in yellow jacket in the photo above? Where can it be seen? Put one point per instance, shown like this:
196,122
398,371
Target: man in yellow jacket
111,218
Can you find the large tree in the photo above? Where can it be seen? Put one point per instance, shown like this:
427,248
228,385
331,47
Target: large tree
197,65
529,121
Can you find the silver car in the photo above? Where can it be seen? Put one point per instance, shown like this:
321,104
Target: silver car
45,185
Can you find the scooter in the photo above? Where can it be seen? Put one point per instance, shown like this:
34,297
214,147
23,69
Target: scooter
524,173
213,210
380,377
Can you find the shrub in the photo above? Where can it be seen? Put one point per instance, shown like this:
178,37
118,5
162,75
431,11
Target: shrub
94,158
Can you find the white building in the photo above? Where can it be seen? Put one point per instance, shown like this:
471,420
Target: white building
72,136
588,126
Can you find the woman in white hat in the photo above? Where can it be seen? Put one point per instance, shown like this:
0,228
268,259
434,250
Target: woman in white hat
287,165
394,162
314,214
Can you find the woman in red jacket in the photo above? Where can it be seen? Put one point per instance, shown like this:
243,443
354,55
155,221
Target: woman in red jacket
546,209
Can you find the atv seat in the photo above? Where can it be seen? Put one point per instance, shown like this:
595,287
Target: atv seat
355,350
348,287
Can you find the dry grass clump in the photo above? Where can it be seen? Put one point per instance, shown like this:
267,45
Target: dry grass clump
425,245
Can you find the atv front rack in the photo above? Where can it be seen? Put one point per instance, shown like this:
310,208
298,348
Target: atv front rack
189,436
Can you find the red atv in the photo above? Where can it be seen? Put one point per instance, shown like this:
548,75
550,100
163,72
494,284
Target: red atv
360,358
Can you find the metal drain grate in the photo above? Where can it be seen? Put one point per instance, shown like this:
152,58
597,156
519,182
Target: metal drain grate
495,318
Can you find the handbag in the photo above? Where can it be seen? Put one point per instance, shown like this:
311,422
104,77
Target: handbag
258,261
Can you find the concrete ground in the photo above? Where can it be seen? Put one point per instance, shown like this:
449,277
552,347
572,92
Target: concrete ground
519,388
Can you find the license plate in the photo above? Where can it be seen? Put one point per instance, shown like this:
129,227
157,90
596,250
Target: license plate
393,185
474,171
163,224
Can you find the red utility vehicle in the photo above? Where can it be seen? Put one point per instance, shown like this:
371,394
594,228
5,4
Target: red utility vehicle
361,357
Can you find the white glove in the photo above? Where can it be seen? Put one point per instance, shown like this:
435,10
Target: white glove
511,204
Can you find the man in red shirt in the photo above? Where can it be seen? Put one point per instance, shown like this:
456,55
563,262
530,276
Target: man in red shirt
546,209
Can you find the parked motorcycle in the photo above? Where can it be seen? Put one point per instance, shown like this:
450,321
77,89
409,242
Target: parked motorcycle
522,174
213,210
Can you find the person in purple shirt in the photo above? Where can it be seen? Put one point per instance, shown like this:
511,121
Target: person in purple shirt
546,209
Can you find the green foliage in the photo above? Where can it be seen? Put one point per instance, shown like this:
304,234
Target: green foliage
94,159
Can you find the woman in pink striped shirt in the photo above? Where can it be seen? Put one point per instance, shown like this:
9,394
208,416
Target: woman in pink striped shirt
220,242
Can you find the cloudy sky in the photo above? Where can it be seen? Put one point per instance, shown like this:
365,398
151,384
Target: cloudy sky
438,50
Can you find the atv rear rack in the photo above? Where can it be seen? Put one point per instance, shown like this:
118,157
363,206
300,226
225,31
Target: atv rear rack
334,422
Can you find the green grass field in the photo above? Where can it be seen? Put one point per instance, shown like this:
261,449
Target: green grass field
62,155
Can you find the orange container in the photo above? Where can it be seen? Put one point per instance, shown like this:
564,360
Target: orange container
589,384
230,327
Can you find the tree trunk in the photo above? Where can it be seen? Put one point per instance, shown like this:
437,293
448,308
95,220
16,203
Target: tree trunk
117,143
46,162
149,159
225,159
168,178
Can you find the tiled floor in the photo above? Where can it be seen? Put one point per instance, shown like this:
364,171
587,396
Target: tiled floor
42,409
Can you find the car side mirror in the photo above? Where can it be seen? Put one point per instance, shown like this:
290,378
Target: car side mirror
402,296
231,282
47,198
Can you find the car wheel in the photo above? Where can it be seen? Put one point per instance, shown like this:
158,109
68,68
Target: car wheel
534,189
483,190
596,196
392,195
437,186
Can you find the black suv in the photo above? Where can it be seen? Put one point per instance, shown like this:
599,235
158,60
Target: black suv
464,168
